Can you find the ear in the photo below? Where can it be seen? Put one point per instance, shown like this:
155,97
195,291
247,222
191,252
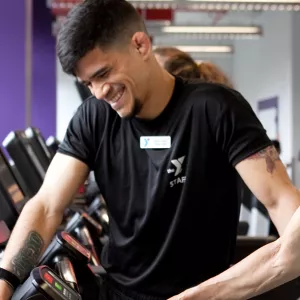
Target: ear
142,44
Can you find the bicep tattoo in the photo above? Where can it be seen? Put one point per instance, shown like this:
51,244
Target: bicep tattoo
28,256
270,155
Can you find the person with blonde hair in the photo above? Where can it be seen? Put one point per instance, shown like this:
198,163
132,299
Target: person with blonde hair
182,64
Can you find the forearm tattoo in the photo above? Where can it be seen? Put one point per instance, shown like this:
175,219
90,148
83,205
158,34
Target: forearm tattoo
28,256
270,155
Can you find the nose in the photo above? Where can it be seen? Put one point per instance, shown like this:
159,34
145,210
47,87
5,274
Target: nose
100,91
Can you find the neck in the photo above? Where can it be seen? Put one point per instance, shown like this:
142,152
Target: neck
161,86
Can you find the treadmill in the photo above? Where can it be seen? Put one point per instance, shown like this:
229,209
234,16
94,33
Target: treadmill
12,197
26,161
39,146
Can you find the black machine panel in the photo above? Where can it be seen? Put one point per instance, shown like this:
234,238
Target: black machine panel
39,146
12,198
44,284
26,161
52,144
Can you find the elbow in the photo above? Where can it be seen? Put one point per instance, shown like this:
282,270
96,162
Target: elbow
286,263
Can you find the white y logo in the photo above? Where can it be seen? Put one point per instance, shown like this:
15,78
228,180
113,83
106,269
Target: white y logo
178,164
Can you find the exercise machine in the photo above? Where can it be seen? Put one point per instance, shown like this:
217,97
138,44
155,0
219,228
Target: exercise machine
12,197
26,161
39,146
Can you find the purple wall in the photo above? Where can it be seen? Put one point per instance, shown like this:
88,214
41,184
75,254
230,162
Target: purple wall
12,62
12,75
43,70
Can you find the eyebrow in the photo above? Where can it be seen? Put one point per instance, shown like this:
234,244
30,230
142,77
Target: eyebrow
100,72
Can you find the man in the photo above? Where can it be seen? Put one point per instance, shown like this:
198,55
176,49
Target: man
165,155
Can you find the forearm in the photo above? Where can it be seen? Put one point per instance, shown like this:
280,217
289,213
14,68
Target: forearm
31,235
258,273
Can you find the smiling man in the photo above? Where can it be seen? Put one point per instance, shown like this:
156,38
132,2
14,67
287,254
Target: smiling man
173,201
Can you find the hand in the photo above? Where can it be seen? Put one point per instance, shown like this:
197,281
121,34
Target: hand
190,294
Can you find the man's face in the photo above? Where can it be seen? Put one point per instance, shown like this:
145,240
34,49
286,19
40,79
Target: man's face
117,76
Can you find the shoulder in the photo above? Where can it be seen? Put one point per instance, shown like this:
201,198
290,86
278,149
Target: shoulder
214,96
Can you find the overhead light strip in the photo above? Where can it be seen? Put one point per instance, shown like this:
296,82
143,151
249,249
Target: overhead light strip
212,29
202,49
234,5
285,2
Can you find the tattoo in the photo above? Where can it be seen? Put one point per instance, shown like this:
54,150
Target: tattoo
270,155
26,259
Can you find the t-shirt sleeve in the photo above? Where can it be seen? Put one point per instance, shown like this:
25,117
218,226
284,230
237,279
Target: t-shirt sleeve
237,130
79,141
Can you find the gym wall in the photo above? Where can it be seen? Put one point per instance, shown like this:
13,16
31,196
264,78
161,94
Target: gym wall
269,67
262,70
43,106
40,85
12,79
67,101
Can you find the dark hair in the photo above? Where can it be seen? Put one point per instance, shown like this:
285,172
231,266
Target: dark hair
94,23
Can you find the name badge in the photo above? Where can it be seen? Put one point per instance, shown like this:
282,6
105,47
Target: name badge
155,142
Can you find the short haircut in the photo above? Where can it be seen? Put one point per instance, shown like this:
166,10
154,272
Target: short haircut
93,23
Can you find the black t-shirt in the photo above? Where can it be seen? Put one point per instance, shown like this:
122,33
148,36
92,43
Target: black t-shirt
173,212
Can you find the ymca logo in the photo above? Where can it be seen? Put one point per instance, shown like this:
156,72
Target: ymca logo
177,170
178,165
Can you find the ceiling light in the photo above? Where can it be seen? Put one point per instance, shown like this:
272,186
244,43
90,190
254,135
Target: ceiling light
212,29
226,1
228,5
202,49
241,1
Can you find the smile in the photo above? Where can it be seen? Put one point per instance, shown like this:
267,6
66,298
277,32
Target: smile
115,101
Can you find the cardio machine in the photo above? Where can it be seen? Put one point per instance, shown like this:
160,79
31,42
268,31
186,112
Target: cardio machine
39,146
72,278
52,144
12,197
26,161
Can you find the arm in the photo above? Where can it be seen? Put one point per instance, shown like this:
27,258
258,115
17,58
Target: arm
41,216
277,262
266,177
263,270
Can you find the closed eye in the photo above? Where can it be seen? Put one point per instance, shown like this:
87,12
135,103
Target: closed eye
102,75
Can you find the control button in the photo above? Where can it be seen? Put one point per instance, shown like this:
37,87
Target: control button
58,286
48,278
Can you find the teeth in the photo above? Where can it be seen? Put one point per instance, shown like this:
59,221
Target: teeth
117,97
